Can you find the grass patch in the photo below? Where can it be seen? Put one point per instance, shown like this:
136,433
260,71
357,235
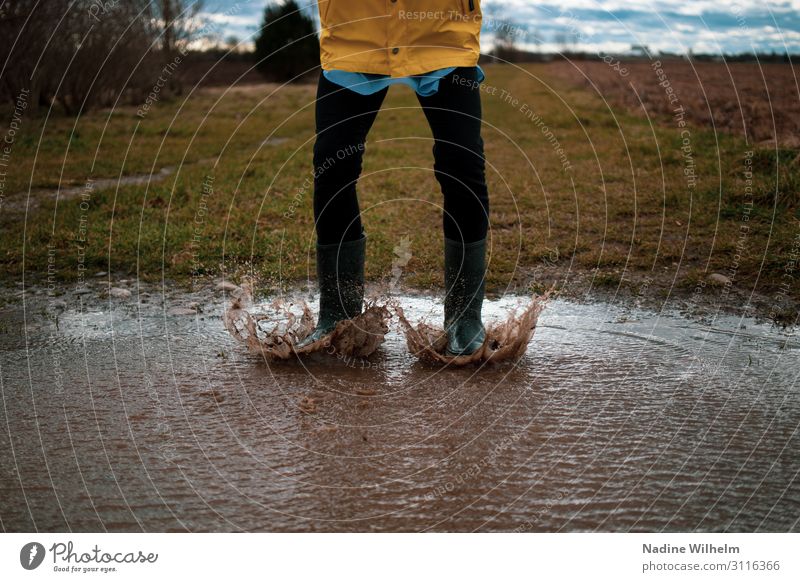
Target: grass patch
236,204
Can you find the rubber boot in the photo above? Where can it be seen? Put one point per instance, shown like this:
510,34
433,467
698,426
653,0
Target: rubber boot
464,274
340,273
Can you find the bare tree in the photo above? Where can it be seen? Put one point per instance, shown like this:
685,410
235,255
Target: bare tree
505,41
81,54
179,22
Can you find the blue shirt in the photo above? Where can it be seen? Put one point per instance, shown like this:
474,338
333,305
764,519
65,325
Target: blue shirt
367,83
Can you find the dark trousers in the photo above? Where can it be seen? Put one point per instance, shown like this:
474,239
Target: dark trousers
343,120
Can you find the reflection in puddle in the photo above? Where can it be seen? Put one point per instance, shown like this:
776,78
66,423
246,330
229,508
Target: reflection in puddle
129,419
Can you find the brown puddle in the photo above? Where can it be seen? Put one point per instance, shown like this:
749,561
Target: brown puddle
122,415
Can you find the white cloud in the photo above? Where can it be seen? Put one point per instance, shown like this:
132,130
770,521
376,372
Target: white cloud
611,25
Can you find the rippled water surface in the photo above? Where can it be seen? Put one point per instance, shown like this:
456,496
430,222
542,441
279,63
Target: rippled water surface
121,417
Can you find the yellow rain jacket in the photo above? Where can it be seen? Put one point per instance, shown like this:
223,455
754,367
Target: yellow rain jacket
399,37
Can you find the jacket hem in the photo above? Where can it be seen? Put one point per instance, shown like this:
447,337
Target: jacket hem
418,68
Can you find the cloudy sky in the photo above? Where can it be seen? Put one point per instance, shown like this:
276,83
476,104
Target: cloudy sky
702,26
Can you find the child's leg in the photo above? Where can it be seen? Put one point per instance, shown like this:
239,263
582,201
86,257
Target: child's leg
343,119
454,114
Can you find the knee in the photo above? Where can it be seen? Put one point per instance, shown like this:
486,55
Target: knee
457,152
336,158
463,160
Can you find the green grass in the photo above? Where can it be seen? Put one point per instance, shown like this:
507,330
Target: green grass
623,208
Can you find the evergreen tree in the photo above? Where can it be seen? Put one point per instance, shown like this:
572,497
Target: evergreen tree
287,45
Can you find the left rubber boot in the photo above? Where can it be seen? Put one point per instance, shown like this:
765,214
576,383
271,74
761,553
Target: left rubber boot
340,272
464,276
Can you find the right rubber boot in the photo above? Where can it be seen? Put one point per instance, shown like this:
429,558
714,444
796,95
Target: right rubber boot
464,276
340,273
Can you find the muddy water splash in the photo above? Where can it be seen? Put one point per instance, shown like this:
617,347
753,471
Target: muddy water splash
274,331
505,340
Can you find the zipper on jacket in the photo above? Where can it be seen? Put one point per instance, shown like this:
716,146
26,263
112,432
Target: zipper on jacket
470,4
